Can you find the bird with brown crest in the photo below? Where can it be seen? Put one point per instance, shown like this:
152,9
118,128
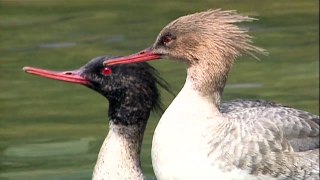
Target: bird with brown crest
195,139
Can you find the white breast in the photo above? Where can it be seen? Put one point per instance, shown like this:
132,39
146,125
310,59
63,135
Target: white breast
181,131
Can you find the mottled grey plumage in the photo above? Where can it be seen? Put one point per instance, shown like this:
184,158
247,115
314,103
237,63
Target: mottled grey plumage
300,128
269,138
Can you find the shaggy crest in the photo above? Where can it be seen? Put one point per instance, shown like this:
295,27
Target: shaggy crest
221,28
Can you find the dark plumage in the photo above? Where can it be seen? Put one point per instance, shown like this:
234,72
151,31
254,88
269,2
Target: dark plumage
132,93
131,89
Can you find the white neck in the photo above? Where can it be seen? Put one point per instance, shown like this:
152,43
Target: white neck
180,135
190,98
209,75
119,156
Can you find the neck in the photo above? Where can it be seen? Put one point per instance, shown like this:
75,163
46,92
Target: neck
119,156
209,76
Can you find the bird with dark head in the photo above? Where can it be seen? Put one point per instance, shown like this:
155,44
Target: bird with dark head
251,139
131,90
132,93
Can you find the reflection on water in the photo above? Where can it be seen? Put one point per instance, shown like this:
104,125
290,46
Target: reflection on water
50,174
58,45
48,152
244,86
45,149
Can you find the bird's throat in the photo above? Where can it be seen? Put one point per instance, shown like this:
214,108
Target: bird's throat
119,156
209,78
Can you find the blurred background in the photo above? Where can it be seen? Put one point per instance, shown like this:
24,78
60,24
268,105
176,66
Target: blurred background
54,130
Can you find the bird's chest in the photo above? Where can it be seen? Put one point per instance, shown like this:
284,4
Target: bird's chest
179,149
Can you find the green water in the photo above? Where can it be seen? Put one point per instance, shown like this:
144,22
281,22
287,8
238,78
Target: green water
54,130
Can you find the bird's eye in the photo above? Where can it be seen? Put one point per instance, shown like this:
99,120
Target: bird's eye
167,39
106,71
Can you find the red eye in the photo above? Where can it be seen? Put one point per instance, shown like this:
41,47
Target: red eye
166,39
106,71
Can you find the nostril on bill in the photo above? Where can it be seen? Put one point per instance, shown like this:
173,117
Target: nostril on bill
68,73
